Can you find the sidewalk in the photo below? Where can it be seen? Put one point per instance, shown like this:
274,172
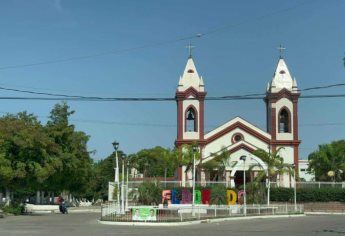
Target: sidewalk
323,213
196,221
96,209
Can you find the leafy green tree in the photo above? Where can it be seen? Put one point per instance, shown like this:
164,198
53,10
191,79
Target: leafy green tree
328,162
102,173
154,162
75,167
27,155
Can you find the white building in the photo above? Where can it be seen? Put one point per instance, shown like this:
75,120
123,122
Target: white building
303,175
239,136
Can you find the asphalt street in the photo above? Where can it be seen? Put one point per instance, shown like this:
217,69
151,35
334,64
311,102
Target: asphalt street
84,224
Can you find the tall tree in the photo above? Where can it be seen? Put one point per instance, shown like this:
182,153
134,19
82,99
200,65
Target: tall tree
328,162
157,161
27,155
75,169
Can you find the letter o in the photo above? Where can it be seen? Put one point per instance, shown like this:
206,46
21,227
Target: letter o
231,197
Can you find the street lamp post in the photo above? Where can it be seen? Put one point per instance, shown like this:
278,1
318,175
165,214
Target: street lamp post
268,187
127,187
123,185
268,178
117,183
195,149
295,186
243,158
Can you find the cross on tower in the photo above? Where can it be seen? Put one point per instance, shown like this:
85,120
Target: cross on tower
281,50
190,46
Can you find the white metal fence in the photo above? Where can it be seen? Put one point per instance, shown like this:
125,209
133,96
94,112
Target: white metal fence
315,185
174,184
177,213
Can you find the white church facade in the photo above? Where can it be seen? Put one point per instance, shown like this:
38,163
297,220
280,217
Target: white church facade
238,136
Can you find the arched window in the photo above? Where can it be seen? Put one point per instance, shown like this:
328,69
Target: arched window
284,121
190,120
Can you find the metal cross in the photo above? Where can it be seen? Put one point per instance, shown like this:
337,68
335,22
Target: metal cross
190,46
281,49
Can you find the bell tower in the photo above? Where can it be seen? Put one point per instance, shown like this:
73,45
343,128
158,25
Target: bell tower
190,96
282,113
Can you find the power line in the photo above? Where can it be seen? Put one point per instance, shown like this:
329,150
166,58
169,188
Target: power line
167,42
323,87
156,99
253,96
172,125
113,51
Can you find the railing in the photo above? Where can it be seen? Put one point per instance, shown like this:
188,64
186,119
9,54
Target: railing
173,184
175,213
315,184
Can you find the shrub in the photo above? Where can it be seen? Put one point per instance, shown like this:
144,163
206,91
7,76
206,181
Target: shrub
218,195
14,209
308,194
149,193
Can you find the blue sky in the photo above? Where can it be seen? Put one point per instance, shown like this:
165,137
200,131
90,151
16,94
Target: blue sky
236,54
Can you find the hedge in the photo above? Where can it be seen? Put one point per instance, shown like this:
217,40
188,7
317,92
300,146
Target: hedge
308,194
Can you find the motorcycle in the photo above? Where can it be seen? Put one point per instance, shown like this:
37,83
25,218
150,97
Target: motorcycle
63,208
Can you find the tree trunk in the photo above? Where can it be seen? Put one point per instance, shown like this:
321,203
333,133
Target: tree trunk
38,197
8,197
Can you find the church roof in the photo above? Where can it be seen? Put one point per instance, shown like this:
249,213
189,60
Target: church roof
234,123
282,78
190,78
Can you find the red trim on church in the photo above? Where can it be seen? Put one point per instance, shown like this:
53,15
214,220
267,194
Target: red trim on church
239,125
272,98
240,147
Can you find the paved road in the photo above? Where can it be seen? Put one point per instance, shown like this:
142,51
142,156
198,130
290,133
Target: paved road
85,224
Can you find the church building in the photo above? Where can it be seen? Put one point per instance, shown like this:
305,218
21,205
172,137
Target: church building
238,136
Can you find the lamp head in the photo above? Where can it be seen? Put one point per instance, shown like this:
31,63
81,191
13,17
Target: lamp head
243,158
195,148
115,145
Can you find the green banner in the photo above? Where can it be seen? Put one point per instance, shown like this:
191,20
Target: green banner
144,214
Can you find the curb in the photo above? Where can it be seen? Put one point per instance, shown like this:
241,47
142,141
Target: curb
196,221
323,213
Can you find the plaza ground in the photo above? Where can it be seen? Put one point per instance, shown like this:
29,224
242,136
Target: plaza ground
85,223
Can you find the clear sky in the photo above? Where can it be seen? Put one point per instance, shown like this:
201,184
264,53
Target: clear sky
236,55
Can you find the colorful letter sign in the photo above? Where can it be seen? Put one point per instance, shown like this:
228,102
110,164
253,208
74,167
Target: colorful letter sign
206,196
186,197
166,196
201,197
174,197
231,197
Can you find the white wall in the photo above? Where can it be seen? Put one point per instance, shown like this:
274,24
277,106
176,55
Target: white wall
303,166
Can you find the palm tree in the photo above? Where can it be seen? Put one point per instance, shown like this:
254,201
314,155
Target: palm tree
219,163
275,164
275,167
186,154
